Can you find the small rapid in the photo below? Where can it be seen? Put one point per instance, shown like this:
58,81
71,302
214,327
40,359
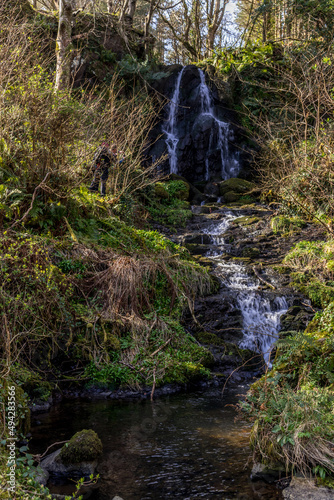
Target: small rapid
261,311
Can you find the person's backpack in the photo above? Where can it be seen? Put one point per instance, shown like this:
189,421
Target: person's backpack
97,156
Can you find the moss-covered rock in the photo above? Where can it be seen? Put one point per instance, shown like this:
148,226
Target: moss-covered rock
84,446
240,186
178,189
231,197
160,191
251,252
245,221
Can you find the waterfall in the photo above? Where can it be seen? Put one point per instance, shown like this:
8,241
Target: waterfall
171,130
261,311
218,141
229,162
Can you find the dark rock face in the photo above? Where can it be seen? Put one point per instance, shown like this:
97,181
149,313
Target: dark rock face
203,139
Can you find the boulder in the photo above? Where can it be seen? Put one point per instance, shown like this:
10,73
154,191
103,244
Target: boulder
77,458
231,197
236,185
83,446
305,489
160,191
262,472
212,188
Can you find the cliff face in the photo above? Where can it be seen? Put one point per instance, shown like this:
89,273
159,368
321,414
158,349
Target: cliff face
205,129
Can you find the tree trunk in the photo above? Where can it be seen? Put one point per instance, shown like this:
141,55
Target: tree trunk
64,45
131,12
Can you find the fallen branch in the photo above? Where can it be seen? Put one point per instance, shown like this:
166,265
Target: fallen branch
38,457
154,382
263,280
161,347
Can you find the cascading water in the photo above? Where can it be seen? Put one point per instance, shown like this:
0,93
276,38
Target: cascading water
171,130
229,162
260,312
220,134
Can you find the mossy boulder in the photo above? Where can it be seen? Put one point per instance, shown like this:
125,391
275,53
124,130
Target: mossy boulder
238,186
231,197
245,221
178,189
84,446
160,191
251,252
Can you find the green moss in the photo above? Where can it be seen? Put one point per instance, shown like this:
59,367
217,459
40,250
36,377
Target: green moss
84,446
252,252
178,189
209,338
282,223
245,221
240,186
160,191
231,197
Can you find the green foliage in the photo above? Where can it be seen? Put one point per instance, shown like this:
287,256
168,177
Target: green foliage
312,270
292,426
253,54
284,224
131,66
167,203
168,354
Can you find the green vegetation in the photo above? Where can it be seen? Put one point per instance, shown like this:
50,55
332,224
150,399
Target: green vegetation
84,446
292,406
168,203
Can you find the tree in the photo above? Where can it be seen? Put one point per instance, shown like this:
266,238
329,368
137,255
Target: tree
64,45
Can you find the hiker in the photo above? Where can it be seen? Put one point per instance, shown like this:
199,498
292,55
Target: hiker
103,159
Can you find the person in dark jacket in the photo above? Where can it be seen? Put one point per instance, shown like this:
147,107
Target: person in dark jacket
102,163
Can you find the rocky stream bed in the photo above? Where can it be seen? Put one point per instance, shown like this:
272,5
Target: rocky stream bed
239,324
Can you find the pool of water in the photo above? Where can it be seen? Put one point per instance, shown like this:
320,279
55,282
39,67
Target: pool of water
185,446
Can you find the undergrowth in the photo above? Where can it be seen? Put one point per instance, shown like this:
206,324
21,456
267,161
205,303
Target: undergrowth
292,406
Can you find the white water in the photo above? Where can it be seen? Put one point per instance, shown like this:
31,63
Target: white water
171,130
229,161
261,312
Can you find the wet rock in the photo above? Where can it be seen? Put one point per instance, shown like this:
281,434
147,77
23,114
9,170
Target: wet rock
201,210
305,489
42,476
236,185
54,466
245,221
212,189
262,472
296,318
197,248
40,407
77,458
199,238
251,252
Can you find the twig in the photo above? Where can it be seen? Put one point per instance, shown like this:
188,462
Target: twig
308,305
161,347
32,202
154,382
38,457
263,280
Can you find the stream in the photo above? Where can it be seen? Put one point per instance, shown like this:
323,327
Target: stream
186,445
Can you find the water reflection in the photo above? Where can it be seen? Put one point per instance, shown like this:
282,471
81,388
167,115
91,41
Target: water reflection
186,446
